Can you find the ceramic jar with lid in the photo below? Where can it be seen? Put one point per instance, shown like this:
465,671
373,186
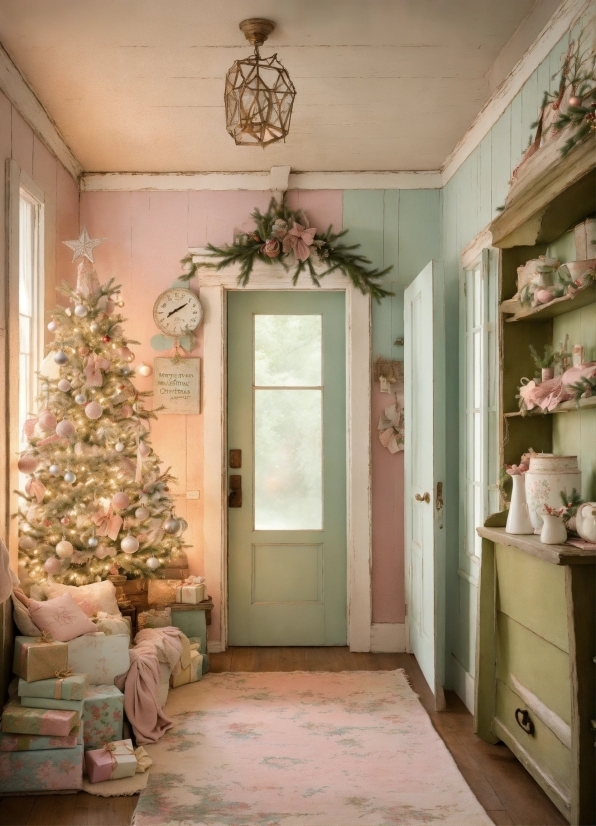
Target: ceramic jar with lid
547,477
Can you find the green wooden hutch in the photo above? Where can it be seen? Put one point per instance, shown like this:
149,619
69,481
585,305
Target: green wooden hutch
536,640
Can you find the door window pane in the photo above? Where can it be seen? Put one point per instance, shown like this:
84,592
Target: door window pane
288,492
288,350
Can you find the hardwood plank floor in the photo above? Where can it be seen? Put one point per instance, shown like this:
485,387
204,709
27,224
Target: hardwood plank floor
501,784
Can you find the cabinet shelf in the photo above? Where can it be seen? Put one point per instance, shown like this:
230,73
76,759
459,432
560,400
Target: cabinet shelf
564,407
557,307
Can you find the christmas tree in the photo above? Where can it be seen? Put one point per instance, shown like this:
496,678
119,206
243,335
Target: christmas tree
95,502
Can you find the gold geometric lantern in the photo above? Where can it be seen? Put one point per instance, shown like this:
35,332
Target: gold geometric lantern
259,94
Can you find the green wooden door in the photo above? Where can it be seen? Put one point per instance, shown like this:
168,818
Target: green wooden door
287,414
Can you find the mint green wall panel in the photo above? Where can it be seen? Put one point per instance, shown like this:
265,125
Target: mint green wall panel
418,232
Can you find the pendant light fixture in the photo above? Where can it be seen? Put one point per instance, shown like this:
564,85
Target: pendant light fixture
259,94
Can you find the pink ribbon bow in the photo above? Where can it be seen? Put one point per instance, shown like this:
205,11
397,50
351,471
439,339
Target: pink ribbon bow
35,487
108,523
95,364
298,240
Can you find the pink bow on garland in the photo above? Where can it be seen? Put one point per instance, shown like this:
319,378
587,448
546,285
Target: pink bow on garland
35,487
299,240
108,523
95,364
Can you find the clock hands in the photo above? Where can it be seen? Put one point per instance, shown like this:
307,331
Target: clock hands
177,308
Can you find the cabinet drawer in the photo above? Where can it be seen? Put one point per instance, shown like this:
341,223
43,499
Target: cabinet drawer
532,592
543,747
538,665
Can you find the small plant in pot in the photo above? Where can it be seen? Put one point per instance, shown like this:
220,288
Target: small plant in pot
546,363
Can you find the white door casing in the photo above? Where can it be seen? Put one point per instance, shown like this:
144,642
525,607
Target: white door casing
424,373
213,291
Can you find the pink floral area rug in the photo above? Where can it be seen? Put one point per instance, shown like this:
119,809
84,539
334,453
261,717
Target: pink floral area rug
303,749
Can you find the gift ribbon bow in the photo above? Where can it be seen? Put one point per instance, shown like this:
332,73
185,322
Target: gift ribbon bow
35,487
299,240
194,580
93,368
66,672
110,748
45,637
108,523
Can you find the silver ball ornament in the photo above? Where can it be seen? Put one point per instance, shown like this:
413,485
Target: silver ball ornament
61,358
64,385
70,477
94,327
80,310
125,371
171,525
53,326
130,544
152,563
92,542
54,470
119,447
80,398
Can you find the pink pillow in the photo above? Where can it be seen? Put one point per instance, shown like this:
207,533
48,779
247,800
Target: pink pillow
61,617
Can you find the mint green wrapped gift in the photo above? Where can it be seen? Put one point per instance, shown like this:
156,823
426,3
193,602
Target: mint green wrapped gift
60,705
72,687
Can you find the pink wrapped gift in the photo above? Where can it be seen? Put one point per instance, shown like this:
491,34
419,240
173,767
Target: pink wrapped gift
19,720
192,591
112,762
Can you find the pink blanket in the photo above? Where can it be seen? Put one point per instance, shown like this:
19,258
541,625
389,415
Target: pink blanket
141,683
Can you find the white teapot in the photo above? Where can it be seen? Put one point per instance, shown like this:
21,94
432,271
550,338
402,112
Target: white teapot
585,521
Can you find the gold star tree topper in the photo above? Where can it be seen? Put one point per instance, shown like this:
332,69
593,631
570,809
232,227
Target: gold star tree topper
83,245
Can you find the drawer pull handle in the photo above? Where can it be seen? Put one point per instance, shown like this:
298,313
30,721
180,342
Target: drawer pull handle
524,722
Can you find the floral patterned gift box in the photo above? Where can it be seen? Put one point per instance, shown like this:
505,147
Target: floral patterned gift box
18,720
50,770
36,658
99,656
41,742
72,687
103,715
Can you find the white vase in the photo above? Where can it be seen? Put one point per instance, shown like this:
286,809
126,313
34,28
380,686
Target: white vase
585,521
518,518
553,530
547,477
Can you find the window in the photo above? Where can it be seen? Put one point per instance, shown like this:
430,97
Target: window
481,448
31,286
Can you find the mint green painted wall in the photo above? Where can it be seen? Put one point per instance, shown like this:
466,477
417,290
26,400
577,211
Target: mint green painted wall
469,202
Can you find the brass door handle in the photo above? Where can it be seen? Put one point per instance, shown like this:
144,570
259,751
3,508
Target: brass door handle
420,498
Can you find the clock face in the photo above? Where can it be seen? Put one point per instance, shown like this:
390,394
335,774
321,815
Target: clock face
177,311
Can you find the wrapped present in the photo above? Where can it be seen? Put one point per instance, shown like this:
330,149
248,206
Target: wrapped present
192,590
113,623
162,591
103,715
191,674
192,622
41,742
67,687
45,702
19,720
171,573
49,770
154,618
99,656
39,658
112,762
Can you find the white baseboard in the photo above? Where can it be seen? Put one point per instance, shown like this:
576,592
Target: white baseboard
215,647
387,637
463,684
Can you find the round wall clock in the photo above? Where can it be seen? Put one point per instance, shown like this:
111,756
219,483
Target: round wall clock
177,311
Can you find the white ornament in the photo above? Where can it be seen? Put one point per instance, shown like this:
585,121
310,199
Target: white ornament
152,563
54,470
80,398
141,514
93,410
64,385
93,542
53,326
80,310
60,357
70,477
94,327
130,544
64,549
119,447
83,245
144,369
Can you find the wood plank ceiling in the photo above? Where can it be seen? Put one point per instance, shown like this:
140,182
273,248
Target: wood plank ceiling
137,85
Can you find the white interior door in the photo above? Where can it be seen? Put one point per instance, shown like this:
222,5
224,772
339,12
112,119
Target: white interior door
424,373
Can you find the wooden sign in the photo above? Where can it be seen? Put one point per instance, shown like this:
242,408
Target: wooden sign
177,385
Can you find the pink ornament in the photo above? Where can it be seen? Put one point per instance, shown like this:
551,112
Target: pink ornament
544,296
101,552
93,410
47,420
52,565
83,351
144,450
110,307
126,354
26,543
65,520
65,429
121,500
27,464
64,549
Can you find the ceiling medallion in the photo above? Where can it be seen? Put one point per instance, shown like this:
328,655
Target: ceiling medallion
259,94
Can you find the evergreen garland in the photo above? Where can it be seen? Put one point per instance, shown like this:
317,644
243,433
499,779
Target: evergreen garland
274,239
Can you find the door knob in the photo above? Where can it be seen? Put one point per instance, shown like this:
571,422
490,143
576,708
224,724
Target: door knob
423,498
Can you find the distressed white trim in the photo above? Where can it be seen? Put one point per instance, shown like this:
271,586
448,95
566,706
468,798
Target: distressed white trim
388,637
215,647
22,96
255,181
468,577
559,24
213,288
463,684
472,252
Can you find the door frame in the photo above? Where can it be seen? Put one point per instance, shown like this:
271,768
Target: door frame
213,290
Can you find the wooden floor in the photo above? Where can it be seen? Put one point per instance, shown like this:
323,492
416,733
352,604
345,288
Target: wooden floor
498,780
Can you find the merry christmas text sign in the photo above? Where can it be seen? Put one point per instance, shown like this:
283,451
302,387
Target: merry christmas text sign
177,385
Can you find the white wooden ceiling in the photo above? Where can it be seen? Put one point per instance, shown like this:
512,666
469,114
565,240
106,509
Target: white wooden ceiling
137,85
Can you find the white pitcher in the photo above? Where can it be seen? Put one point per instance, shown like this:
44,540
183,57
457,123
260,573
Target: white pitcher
518,518
585,521
553,530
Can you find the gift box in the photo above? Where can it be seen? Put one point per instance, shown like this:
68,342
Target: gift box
192,591
162,591
191,674
37,658
103,715
112,762
99,656
72,687
41,742
155,618
60,705
50,770
190,619
171,573
19,720
113,624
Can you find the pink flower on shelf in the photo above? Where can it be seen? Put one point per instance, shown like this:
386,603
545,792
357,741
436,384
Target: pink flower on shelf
299,240
517,470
